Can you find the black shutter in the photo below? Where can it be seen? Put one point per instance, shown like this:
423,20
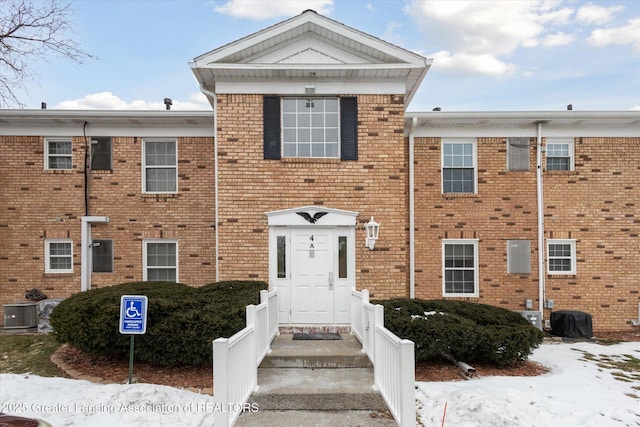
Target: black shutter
349,128
271,121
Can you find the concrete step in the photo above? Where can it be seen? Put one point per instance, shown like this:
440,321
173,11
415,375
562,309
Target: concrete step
315,419
317,389
287,353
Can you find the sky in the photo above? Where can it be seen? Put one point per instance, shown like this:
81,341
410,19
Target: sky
585,387
487,55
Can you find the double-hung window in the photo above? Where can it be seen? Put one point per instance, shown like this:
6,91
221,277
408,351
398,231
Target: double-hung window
560,155
160,166
58,254
459,166
58,153
561,256
460,267
160,260
310,127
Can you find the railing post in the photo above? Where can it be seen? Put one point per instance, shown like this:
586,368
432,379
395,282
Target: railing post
366,345
407,383
264,296
221,380
378,321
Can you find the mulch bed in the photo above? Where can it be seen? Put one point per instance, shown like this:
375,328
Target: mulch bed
117,371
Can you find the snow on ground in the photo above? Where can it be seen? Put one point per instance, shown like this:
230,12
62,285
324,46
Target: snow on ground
577,392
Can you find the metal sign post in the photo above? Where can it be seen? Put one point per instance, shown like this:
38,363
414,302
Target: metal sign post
133,321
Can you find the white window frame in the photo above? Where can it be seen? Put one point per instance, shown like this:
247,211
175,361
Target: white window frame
474,144
476,273
572,243
47,155
48,256
570,142
145,267
337,128
145,167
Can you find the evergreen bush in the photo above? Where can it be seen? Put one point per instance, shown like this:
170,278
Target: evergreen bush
182,321
472,332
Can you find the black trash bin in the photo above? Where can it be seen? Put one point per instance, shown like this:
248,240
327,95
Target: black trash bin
571,324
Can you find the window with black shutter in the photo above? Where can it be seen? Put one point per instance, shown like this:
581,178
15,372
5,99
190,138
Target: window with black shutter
316,127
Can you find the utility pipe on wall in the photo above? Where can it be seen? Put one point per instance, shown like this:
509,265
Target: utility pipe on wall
215,175
412,233
540,197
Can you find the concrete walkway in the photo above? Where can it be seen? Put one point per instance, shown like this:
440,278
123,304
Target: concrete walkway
316,383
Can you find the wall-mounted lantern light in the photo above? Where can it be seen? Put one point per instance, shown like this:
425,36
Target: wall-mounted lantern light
372,228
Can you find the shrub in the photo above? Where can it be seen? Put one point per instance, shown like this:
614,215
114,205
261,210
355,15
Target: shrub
182,321
475,333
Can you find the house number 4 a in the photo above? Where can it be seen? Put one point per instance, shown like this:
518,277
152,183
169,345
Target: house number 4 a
312,251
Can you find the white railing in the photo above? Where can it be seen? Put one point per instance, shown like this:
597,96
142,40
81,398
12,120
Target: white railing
393,358
236,359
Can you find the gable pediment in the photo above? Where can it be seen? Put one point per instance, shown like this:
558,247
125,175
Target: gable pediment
310,45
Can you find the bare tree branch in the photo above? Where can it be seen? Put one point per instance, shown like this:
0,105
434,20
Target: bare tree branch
32,30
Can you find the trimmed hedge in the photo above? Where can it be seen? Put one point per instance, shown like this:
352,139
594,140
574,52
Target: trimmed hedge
472,332
182,321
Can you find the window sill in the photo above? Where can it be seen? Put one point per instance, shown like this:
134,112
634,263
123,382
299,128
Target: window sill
59,171
307,160
556,172
460,195
58,273
159,197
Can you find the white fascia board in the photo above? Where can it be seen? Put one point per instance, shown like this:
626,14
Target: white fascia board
137,131
505,131
305,18
321,87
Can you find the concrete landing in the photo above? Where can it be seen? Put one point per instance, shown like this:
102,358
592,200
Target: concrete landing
344,353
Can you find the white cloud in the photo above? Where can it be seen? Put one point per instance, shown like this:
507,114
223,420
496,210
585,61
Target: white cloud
628,34
478,36
109,101
558,39
464,63
596,14
636,108
261,9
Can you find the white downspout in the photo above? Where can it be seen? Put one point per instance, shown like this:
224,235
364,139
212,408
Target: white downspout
215,174
541,245
412,221
86,260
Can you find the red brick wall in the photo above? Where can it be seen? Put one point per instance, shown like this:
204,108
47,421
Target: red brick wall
375,185
595,204
38,204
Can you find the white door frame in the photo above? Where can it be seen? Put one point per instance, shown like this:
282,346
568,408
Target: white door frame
282,225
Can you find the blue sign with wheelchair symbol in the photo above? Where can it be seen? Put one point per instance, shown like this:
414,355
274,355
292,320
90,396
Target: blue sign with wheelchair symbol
133,314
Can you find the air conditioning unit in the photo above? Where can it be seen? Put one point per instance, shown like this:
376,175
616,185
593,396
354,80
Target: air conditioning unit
20,316
535,317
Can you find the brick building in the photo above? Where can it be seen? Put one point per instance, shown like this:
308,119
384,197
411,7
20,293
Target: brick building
307,140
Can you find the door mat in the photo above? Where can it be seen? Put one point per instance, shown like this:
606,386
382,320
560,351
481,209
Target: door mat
316,337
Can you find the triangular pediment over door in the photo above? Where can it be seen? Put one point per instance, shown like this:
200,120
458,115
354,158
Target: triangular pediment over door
311,51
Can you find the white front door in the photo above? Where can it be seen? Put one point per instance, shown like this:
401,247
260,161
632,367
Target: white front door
314,272
312,276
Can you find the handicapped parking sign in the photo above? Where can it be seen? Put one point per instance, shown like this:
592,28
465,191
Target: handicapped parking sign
133,314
